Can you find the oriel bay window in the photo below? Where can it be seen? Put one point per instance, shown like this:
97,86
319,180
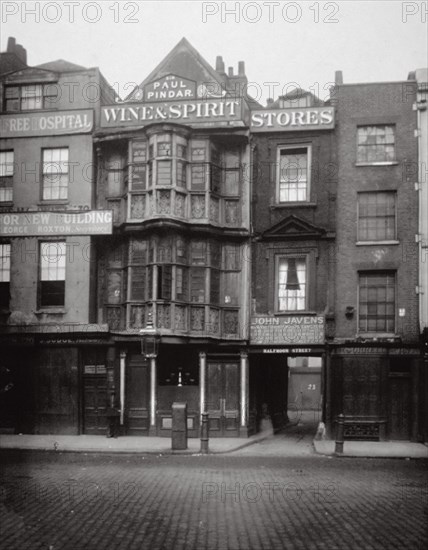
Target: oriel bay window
376,302
52,273
184,282
293,173
6,176
4,275
376,216
55,174
375,144
291,283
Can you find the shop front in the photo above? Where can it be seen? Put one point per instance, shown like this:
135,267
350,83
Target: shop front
287,358
376,388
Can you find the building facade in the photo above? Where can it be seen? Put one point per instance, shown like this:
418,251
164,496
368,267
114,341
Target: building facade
47,221
374,367
294,223
171,160
188,245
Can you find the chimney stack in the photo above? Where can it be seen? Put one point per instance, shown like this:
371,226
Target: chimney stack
17,49
230,71
241,68
219,64
338,77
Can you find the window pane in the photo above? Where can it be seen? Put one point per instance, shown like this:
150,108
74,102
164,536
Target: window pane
197,284
376,144
377,302
164,172
4,263
6,163
293,175
291,284
376,216
52,261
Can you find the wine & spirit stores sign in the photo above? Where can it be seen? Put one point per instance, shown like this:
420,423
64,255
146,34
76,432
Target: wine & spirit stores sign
184,112
295,330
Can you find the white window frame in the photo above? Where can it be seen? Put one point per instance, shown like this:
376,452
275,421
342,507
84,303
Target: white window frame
376,162
378,241
278,258
56,169
293,146
52,267
6,171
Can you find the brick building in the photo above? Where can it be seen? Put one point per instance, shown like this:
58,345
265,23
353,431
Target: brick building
294,224
374,367
48,113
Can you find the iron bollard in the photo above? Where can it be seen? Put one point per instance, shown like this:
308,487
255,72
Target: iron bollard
204,433
339,434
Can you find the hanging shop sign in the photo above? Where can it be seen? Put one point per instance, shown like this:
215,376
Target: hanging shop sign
375,350
183,112
313,118
46,124
33,224
296,330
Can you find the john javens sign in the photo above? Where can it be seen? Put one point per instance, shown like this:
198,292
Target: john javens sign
295,330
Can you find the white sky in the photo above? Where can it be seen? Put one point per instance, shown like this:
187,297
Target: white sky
368,40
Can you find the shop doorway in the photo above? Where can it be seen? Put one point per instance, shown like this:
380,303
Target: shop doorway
304,401
285,392
137,396
95,401
399,401
223,398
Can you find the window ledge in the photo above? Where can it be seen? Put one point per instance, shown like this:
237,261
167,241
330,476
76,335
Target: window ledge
377,335
53,202
386,163
295,313
6,203
52,310
375,243
302,204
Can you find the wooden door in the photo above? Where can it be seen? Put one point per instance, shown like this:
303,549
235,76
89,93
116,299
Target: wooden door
223,399
56,391
95,404
137,401
399,407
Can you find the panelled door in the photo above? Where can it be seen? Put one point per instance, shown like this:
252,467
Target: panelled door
95,401
399,391
137,396
223,398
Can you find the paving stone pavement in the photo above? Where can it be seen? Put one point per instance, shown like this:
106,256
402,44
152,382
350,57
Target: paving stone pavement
68,501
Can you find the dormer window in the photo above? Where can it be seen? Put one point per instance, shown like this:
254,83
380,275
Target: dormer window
29,97
296,102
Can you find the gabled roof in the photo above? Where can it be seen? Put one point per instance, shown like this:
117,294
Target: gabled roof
293,227
61,66
183,60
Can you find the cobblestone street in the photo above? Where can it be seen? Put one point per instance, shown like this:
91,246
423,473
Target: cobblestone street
85,501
